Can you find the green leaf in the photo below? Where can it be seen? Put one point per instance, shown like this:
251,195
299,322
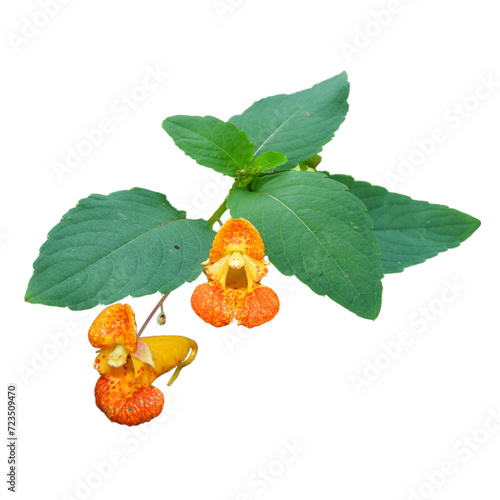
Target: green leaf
409,231
315,229
269,160
297,125
108,247
211,142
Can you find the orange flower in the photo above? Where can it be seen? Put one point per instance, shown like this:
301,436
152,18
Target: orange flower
128,365
234,269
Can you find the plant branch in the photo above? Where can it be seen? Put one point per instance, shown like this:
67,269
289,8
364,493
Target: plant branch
220,211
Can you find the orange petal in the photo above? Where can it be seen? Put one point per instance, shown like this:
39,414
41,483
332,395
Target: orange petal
115,325
213,304
257,307
237,235
127,404
125,393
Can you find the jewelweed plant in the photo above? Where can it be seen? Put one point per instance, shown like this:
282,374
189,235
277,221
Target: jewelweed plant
336,234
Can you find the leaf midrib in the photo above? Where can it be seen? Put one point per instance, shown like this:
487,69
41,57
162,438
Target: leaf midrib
108,255
316,238
300,108
276,131
425,228
212,142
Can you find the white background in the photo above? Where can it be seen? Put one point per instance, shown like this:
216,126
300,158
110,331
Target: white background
223,432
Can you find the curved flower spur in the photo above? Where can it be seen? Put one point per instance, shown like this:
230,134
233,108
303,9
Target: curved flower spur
129,365
234,269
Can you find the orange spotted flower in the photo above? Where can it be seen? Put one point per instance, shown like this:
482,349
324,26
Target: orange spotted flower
234,269
128,365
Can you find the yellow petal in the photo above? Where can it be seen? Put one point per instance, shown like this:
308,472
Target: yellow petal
168,352
217,271
118,356
255,271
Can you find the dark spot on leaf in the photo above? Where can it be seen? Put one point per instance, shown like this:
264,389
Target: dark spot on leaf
176,247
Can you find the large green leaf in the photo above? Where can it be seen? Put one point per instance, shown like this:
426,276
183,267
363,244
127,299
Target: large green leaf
297,125
315,229
409,231
211,142
108,247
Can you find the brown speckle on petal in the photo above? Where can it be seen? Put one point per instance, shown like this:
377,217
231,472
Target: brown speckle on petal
257,307
240,235
131,406
212,304
114,325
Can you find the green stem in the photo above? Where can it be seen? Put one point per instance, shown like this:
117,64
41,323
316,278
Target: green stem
217,214
220,211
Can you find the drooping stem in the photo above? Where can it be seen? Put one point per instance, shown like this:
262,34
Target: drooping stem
152,313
